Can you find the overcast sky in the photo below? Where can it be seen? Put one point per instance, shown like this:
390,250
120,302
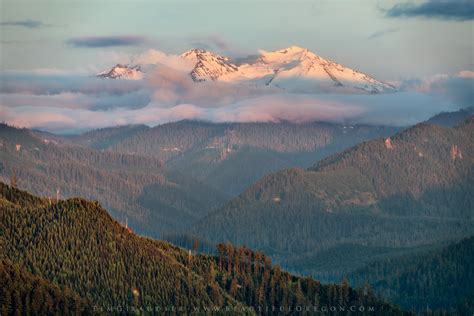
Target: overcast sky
386,39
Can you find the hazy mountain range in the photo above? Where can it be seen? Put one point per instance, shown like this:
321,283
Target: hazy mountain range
166,177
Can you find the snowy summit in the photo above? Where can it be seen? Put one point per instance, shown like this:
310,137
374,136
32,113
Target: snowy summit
122,72
293,69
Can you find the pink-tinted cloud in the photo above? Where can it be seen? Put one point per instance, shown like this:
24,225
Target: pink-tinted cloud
286,107
458,88
466,74
171,86
65,103
156,57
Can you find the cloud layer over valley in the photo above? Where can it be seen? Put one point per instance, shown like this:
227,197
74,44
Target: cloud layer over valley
69,103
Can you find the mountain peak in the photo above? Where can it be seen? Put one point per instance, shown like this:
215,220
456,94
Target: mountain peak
292,49
285,54
209,66
293,69
120,71
200,54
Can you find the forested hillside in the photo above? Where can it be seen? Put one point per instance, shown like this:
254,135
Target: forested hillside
106,137
451,119
441,279
22,293
382,197
165,178
231,156
83,249
122,182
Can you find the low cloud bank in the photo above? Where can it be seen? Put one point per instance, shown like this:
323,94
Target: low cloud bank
397,110
71,103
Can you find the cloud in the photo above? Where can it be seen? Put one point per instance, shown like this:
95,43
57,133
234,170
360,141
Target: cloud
459,10
219,44
68,100
399,109
210,42
58,102
382,33
285,107
156,57
43,83
466,74
106,41
171,86
31,24
459,89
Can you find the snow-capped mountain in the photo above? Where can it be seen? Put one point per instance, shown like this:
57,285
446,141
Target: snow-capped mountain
293,69
122,72
208,65
299,70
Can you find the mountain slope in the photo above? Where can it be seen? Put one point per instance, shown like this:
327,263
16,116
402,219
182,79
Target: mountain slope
84,249
412,163
243,152
122,72
293,69
440,279
106,137
451,119
99,259
43,166
24,293
410,191
421,159
297,69
208,66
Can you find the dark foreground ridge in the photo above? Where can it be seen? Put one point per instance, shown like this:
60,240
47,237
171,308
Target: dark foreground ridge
103,267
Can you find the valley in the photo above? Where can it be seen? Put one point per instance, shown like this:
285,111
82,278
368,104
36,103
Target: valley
237,158
392,196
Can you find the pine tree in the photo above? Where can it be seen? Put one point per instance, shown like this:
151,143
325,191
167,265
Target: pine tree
195,245
13,179
234,287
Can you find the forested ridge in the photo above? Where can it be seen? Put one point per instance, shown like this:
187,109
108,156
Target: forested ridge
106,137
216,152
167,177
280,137
382,198
121,182
441,279
451,119
75,244
22,293
422,159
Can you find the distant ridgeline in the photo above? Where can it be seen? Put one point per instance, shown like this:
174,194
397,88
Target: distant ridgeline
166,178
130,186
71,257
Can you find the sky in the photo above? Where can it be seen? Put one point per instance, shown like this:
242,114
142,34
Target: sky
359,34
417,44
